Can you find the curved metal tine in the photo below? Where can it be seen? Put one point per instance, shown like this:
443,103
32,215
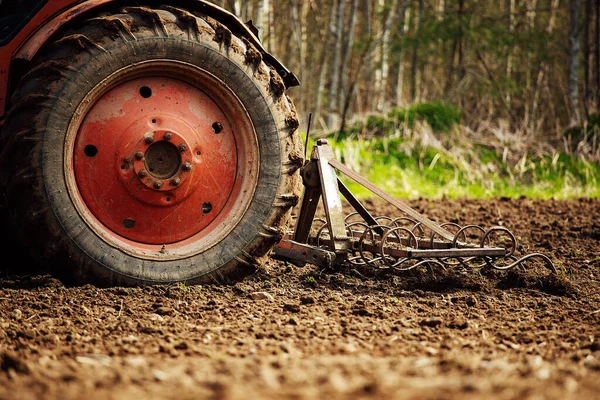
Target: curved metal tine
418,225
357,260
416,265
396,221
395,232
464,229
458,261
383,242
397,266
429,263
521,266
353,260
357,223
491,261
505,231
445,225
465,262
447,263
349,216
369,231
320,232
385,218
547,262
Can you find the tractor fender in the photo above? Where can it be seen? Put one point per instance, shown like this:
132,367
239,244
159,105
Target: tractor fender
82,10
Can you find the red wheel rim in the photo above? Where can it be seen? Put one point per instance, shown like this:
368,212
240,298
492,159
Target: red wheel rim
162,166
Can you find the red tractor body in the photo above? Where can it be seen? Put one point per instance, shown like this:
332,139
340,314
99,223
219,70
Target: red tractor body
35,26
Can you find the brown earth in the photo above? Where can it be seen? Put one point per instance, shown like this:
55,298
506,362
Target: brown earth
326,334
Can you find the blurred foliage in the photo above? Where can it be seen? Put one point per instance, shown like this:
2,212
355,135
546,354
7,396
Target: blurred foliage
580,133
441,117
396,158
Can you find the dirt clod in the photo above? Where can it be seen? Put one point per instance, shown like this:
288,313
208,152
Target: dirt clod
293,308
471,301
431,322
10,361
261,296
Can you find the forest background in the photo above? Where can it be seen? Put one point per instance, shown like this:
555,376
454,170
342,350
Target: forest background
447,98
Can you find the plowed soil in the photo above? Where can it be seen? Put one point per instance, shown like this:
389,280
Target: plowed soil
291,332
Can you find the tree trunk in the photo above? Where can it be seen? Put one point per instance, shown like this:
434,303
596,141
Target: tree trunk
415,53
531,14
511,48
574,45
382,102
336,61
346,53
298,35
323,64
461,40
543,68
403,24
586,55
262,21
378,56
597,57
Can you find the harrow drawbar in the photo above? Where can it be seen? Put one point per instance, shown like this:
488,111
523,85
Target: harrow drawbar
382,242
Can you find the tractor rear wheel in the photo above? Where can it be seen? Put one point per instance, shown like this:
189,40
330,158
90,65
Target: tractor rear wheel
150,146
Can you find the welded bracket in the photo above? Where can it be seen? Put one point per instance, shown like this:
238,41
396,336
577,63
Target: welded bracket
320,180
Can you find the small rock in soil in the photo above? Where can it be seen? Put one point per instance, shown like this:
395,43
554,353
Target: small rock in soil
135,362
11,362
94,359
459,324
361,312
431,322
182,346
156,317
307,300
17,314
471,301
291,308
261,296
160,376
164,311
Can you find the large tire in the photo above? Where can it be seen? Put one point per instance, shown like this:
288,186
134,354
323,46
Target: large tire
79,173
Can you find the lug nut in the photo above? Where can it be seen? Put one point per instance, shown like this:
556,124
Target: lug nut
187,166
142,173
139,155
175,181
183,147
158,184
168,136
149,139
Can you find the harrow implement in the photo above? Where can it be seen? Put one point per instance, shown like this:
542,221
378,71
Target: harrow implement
381,242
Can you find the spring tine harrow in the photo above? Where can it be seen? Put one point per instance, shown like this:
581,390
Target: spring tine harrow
382,242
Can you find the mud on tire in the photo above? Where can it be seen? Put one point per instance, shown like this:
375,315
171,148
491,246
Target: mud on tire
45,202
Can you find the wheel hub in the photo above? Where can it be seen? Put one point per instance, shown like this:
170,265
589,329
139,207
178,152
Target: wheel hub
156,161
162,160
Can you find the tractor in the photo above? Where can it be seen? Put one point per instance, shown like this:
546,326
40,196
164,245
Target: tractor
143,142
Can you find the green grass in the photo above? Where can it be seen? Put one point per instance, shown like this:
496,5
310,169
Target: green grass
406,169
441,117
